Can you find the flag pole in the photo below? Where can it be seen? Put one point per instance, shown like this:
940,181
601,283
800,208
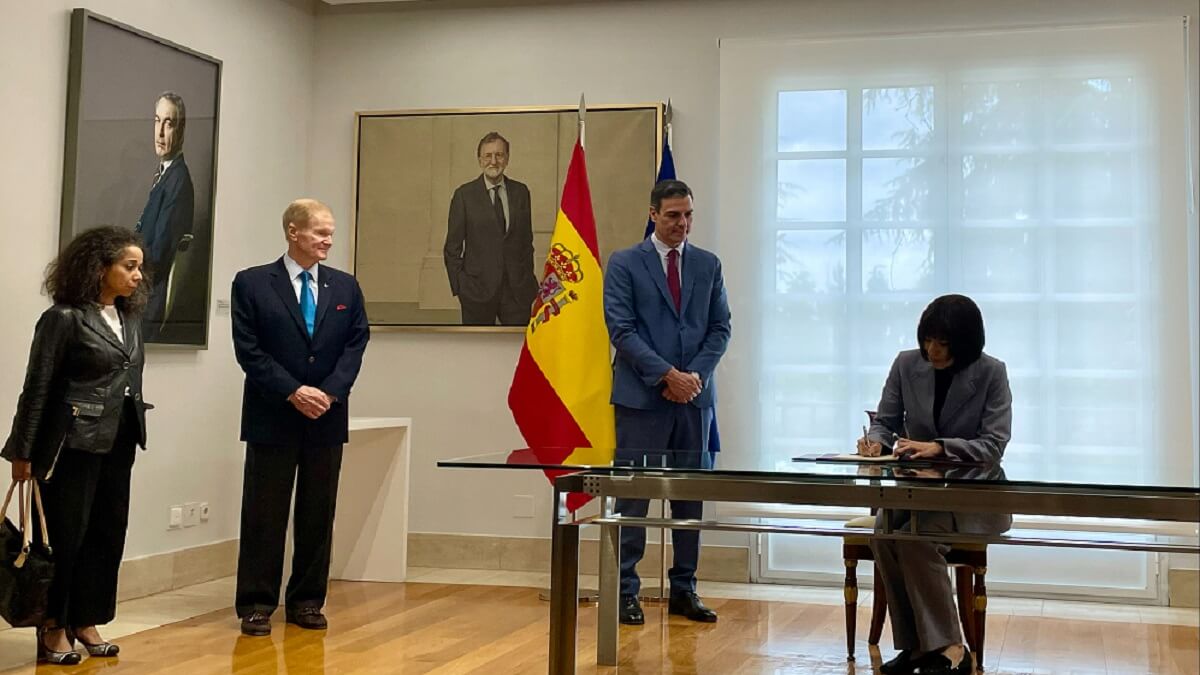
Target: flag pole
667,121
582,111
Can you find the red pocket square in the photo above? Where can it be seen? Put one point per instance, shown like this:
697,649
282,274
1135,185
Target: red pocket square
340,308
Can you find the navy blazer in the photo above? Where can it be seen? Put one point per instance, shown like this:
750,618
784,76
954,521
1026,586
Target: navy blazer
975,424
277,355
166,217
651,337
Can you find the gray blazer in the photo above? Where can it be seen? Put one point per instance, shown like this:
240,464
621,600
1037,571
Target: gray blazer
975,424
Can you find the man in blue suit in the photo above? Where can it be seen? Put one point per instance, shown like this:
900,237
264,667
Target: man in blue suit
668,318
299,332
167,216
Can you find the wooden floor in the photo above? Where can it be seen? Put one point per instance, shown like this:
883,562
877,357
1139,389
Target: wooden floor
493,630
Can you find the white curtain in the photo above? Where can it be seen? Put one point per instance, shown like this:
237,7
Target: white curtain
1041,172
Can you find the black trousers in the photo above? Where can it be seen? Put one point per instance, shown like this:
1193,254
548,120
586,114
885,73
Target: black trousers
87,513
271,470
504,306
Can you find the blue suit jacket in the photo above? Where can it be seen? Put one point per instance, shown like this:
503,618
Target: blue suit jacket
650,336
277,355
166,217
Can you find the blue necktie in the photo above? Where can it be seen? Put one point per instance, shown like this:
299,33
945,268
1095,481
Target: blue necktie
308,307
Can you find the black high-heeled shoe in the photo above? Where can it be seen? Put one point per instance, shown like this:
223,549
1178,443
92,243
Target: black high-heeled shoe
93,649
47,655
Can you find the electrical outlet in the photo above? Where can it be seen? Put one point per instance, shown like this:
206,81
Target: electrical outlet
191,514
204,512
176,519
522,506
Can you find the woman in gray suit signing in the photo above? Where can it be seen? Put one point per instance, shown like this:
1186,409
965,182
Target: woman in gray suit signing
946,401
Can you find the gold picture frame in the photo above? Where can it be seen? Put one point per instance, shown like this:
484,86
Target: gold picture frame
413,168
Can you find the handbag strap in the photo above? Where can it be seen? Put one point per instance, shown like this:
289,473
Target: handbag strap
41,511
26,525
8,498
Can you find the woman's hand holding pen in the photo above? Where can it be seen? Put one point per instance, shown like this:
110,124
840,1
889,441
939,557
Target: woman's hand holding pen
909,449
868,448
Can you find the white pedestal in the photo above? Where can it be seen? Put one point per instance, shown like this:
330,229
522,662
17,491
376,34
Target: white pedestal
370,529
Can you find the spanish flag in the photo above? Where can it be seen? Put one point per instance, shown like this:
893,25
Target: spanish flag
560,391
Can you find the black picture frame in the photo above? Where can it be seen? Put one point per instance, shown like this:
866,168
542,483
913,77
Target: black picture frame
114,174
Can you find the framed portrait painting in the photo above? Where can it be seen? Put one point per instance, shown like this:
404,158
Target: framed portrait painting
454,209
141,152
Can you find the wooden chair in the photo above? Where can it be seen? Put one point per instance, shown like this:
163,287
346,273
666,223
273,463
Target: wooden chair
967,560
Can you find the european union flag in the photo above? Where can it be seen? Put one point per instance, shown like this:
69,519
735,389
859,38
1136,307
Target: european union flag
666,171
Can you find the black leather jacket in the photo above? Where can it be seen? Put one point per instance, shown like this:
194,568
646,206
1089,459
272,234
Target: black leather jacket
75,387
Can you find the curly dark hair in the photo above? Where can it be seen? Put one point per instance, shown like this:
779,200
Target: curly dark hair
957,320
73,278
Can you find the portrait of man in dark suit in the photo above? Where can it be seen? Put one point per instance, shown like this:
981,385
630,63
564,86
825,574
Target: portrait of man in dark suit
489,242
166,221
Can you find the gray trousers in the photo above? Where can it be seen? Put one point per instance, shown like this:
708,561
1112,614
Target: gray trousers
917,583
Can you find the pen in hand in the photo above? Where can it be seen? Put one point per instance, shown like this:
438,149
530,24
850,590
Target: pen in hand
865,449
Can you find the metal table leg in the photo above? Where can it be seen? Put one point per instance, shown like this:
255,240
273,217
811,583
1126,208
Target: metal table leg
564,588
607,625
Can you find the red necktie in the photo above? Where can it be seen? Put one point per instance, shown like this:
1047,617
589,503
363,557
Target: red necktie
673,277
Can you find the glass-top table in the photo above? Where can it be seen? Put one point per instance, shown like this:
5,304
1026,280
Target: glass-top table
1134,479
824,479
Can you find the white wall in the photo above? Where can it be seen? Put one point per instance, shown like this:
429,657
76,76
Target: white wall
266,47
290,88
421,55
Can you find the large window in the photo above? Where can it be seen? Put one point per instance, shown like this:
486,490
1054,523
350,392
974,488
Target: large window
1031,194
1039,172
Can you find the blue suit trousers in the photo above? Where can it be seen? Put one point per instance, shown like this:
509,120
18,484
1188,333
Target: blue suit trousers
675,437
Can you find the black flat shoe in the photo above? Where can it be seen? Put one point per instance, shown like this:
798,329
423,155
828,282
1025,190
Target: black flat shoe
902,663
47,655
256,624
937,664
689,605
307,617
631,611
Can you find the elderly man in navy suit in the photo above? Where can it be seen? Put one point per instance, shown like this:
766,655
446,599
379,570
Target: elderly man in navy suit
167,216
668,318
299,332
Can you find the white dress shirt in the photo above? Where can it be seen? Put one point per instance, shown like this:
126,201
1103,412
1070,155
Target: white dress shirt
162,169
294,269
502,194
663,250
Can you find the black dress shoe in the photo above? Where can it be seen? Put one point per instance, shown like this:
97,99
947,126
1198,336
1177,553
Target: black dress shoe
256,624
689,605
308,617
937,664
631,611
900,664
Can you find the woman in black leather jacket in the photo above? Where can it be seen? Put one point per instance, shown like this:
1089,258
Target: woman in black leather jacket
78,420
